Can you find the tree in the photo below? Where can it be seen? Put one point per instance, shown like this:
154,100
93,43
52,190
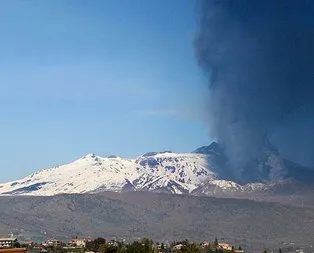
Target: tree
162,246
94,245
16,245
216,242
102,248
209,250
105,248
191,248
100,241
135,247
148,245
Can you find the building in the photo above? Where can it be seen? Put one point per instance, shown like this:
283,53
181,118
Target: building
28,243
238,251
52,243
78,242
178,247
113,243
225,246
7,242
205,244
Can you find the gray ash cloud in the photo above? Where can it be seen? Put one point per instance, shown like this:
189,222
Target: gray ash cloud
259,58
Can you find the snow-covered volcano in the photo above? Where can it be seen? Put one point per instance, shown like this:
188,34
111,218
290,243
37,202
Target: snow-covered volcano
199,172
171,172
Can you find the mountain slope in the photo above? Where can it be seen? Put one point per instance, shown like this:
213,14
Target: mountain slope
158,216
205,171
162,172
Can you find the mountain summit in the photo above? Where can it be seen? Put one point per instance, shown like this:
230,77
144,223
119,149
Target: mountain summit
267,166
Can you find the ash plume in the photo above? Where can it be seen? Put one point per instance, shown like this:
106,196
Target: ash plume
259,58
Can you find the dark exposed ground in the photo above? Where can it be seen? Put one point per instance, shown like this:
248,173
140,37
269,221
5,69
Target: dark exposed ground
159,216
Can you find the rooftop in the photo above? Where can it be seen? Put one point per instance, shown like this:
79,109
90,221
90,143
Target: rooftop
8,238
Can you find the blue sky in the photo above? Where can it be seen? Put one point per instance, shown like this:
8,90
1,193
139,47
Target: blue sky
106,77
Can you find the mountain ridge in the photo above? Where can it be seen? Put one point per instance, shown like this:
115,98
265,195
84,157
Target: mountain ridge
205,171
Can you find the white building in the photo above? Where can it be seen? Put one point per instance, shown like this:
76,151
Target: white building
52,243
78,242
178,247
7,242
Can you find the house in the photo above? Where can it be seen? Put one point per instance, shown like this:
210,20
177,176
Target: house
52,243
205,244
238,251
28,243
7,242
78,242
178,246
225,246
113,243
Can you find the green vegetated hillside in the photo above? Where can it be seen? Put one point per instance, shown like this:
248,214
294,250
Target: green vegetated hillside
157,216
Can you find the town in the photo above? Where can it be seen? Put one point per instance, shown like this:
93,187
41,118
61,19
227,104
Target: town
10,244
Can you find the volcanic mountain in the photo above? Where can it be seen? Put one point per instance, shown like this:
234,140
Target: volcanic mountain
205,171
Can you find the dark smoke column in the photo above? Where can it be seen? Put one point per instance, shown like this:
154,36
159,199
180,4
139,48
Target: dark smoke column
259,58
